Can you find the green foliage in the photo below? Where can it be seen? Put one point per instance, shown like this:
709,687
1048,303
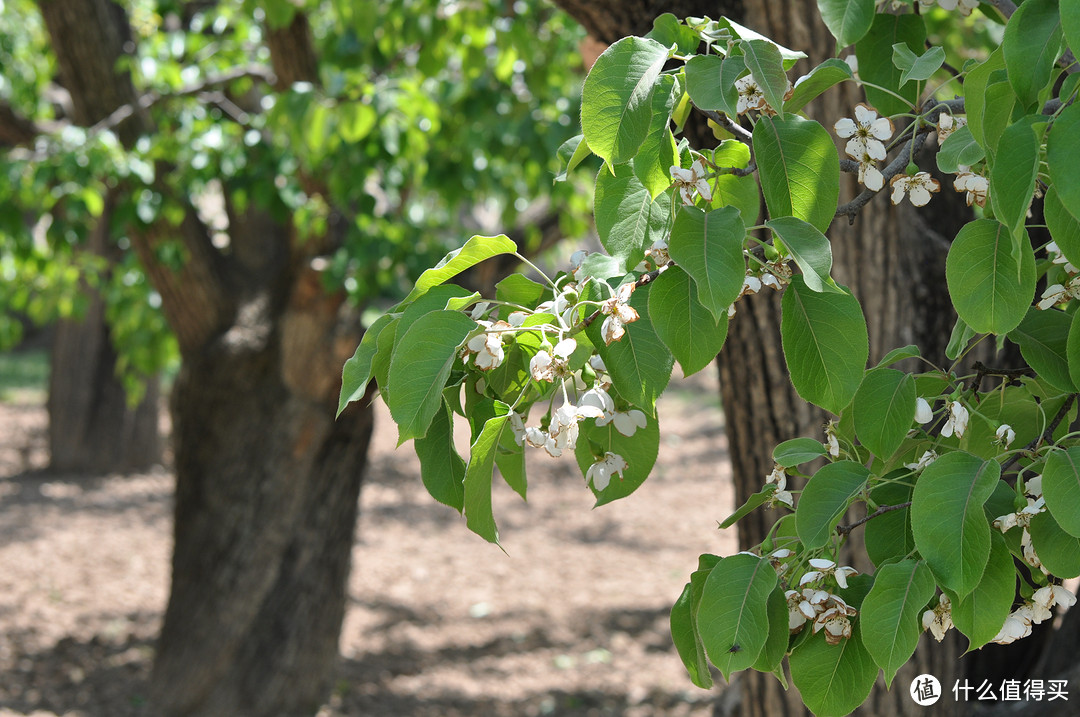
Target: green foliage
969,489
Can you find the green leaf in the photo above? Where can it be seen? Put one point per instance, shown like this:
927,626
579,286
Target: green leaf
639,363
1031,45
441,468
833,679
570,155
476,250
1063,157
947,518
1064,227
823,77
892,611
961,336
775,648
616,101
847,20
825,344
1012,177
668,30
730,190
959,148
1070,24
981,614
790,57
762,58
752,503
874,53
824,500
1043,337
710,82
358,370
1061,488
384,352
639,451
975,93
1072,349
627,219
884,410
1058,551
888,536
989,288
356,120
708,246
687,642
658,153
733,616
478,514
419,368
798,451
519,289
897,355
810,250
1000,102
684,325
798,168
916,67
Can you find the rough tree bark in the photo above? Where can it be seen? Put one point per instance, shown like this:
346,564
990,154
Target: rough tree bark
91,426
892,259
267,480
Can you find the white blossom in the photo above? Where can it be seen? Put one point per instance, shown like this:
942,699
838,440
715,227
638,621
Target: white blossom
923,412
625,422
576,260
771,281
1005,435
562,433
947,124
597,363
658,252
1056,256
822,568
1056,293
517,425
867,133
599,473
517,318
598,398
869,174
1033,487
917,186
1017,626
831,444
690,180
926,459
546,366
487,346
957,421
750,96
939,619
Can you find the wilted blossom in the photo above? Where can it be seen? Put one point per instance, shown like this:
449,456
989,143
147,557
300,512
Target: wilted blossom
487,346
831,444
1057,293
926,459
692,180
803,606
600,472
1017,626
1005,435
546,366
917,186
658,253
562,432
779,478
957,421
619,313
867,133
1021,517
975,185
829,612
822,568
947,124
1056,256
836,625
938,620
625,422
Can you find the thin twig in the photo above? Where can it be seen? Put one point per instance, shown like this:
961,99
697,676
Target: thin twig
982,370
727,123
642,280
895,167
845,529
1046,435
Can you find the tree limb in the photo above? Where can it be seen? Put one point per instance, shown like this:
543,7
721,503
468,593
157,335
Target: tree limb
845,529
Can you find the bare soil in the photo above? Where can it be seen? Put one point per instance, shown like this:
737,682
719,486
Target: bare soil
572,620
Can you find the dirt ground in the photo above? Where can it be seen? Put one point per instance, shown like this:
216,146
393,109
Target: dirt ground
573,621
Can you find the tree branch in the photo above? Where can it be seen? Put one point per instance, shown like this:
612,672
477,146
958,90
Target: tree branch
727,123
845,529
1046,435
982,371
895,167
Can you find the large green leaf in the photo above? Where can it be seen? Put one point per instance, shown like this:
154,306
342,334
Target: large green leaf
1031,45
710,82
1000,103
733,615
658,153
847,20
990,289
1063,157
639,363
1043,336
799,169
947,518
825,499
884,410
683,323
616,101
1063,226
826,75
1012,177
981,614
763,59
825,344
476,250
709,247
809,248
798,451
420,366
477,486
891,613
975,93
627,219
358,370
441,468
1061,488
1058,551
874,53
833,679
684,625
960,148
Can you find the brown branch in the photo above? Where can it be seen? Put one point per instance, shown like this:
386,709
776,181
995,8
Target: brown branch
646,278
740,132
982,371
845,529
1046,435
14,128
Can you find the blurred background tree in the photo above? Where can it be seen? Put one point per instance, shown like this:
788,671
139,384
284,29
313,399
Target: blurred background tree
238,185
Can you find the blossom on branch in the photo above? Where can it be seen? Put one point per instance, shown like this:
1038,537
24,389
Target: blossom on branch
867,133
957,421
917,186
692,180
619,313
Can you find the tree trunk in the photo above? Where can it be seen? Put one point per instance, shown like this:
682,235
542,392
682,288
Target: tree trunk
267,480
92,428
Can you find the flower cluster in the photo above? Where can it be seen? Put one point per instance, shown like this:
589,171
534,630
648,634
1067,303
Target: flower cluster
1060,292
1039,608
752,98
829,613
618,312
776,276
1022,518
487,345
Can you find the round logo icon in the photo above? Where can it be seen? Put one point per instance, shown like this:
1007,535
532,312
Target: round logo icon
925,690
